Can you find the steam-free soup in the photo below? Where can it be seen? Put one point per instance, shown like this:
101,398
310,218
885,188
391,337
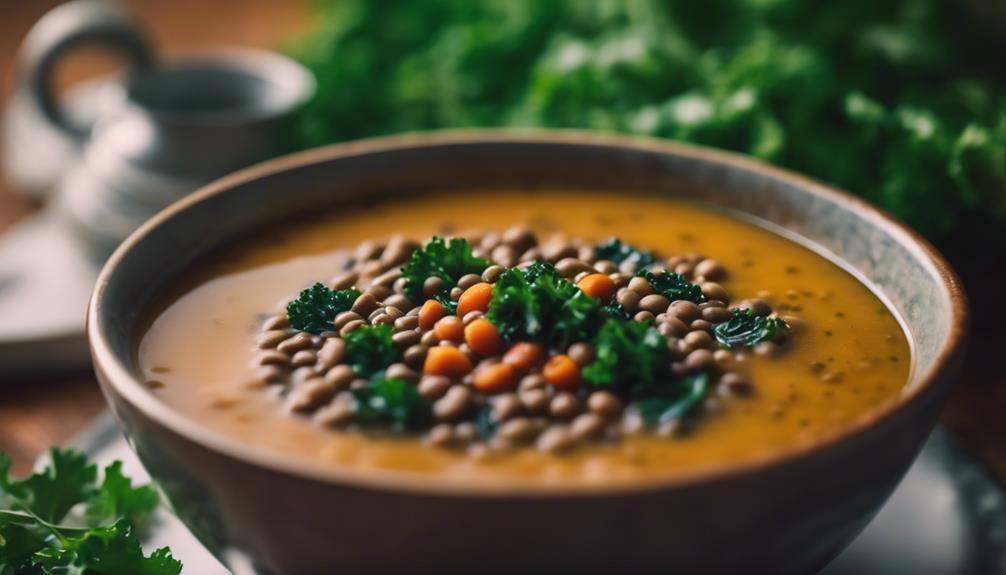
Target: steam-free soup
764,345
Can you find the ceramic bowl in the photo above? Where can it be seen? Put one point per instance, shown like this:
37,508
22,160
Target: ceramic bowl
789,514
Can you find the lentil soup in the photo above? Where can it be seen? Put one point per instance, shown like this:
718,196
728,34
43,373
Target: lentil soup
826,350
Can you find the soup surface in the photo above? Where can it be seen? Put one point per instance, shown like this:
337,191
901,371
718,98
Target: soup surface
848,356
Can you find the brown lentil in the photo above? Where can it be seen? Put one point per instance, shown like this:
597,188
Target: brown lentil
294,344
604,404
556,439
492,273
629,300
453,404
407,322
271,338
685,310
564,405
582,353
641,287
340,376
415,355
345,317
433,285
349,327
518,429
405,339
587,426
434,386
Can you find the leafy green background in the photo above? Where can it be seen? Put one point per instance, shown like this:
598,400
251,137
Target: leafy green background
900,101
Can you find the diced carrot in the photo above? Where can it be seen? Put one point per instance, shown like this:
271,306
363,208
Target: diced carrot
524,355
475,298
430,314
561,372
597,286
450,328
447,361
495,378
483,337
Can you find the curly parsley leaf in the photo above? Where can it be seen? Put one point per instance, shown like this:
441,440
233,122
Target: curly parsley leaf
51,493
34,538
316,307
618,251
118,498
745,329
446,259
673,286
369,349
629,354
661,404
110,550
392,401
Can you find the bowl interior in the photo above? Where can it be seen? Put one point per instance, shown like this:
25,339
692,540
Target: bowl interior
898,264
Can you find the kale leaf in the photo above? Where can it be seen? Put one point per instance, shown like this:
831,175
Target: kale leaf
369,349
673,286
392,401
745,329
629,354
537,304
316,307
34,539
617,251
445,259
660,404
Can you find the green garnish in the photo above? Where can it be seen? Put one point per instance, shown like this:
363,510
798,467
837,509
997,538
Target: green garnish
664,403
909,84
316,307
673,286
369,349
617,251
537,304
41,534
444,299
745,329
629,354
448,260
616,310
392,401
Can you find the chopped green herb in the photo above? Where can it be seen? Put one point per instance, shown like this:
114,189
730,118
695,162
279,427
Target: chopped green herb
35,540
537,304
316,307
444,298
616,310
445,259
660,404
617,251
485,421
629,354
369,349
392,401
745,329
673,286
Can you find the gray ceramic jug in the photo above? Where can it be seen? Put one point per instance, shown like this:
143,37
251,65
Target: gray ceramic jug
164,128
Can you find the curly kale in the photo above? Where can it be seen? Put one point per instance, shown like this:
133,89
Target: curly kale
673,286
392,401
369,349
537,304
316,307
617,251
448,260
629,354
745,329
668,402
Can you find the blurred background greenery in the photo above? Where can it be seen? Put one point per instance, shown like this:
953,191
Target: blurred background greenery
901,101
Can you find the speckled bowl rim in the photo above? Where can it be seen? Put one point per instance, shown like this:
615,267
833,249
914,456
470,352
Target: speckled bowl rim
126,384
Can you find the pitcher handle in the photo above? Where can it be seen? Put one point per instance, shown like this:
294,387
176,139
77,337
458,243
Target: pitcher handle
76,23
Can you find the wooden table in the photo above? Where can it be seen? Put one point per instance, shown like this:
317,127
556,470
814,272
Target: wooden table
42,411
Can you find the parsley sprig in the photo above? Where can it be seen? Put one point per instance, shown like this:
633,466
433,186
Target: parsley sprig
61,521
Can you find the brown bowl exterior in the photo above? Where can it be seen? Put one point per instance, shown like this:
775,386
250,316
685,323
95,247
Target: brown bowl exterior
790,514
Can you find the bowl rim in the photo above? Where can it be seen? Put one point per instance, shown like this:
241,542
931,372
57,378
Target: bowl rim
122,381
